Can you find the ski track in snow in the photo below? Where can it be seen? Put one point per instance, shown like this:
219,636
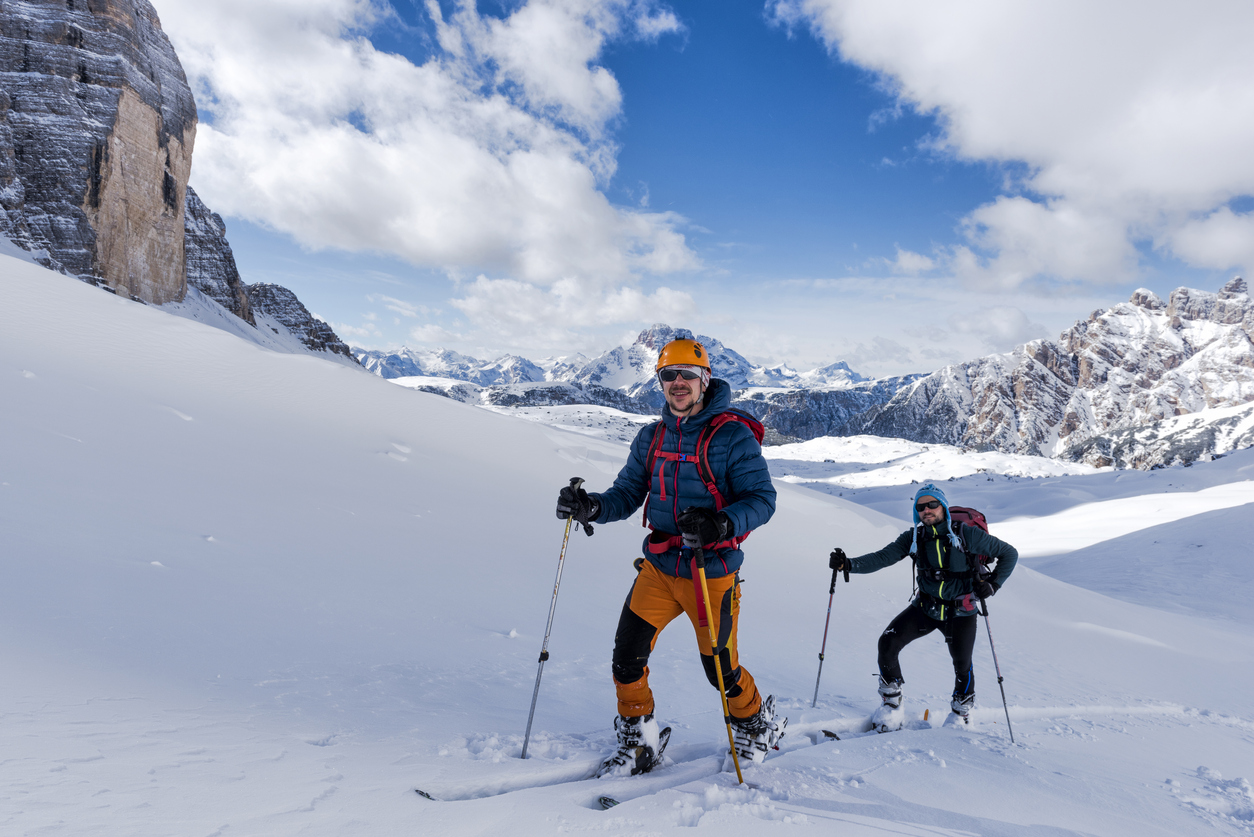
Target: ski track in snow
249,592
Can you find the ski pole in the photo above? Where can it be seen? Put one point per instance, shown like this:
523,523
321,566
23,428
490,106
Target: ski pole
575,482
830,594
993,647
698,575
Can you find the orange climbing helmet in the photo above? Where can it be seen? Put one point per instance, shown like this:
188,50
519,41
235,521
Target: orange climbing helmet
683,352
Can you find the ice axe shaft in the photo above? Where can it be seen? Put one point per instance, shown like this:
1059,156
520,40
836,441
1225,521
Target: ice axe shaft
697,559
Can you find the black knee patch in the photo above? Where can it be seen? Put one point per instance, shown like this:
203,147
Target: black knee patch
632,643
731,679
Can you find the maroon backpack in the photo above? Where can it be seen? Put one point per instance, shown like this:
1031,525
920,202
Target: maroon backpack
971,517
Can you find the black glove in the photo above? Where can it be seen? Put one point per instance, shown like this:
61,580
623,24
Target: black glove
985,589
577,503
839,561
703,526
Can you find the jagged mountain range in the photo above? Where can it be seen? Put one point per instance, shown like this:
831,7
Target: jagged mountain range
1114,389
1135,363
795,405
97,127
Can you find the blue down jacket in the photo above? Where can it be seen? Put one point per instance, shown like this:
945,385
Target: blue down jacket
740,472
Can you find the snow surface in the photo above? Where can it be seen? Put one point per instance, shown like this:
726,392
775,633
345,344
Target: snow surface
253,592
866,461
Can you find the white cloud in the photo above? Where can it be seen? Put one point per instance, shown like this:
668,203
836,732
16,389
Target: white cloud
490,155
1222,240
400,306
910,263
1132,119
434,335
508,310
346,331
1000,328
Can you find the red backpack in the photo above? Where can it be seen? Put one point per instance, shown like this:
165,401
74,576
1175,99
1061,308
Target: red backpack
971,517
702,459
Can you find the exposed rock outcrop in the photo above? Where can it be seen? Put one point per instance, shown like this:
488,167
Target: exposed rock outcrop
275,306
210,263
824,411
97,125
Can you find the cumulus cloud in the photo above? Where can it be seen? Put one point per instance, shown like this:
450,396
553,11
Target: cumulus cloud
1000,327
489,155
910,263
509,309
1124,124
1222,240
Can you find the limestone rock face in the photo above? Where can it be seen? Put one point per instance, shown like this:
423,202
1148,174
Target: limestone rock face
1138,362
97,125
210,263
275,305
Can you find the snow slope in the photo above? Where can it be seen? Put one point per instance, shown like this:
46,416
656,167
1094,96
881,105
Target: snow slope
250,592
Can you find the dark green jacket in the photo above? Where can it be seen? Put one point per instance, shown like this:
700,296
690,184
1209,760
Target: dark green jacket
940,595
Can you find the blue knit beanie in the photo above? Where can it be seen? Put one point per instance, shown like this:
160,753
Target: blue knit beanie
930,489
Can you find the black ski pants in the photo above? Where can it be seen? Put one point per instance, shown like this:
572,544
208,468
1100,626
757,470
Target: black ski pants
913,623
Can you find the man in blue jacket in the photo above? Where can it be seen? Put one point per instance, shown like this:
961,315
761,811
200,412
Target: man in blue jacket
950,581
719,508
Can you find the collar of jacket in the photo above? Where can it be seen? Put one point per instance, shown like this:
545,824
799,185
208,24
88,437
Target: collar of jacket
717,399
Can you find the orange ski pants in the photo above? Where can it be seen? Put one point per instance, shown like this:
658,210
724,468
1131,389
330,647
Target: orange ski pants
655,600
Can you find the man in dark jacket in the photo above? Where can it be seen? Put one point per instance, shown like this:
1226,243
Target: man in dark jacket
663,470
950,583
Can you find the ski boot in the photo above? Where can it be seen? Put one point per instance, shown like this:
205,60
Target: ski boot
961,714
758,733
890,716
640,746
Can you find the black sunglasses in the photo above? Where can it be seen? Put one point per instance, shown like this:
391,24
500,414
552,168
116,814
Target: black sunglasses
934,504
668,375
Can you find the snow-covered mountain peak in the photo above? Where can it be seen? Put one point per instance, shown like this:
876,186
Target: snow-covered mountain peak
1236,287
1139,361
1145,298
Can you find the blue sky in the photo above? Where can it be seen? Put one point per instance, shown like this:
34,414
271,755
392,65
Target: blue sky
807,180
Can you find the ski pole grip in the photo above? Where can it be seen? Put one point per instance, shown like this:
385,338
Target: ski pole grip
846,573
575,482
698,555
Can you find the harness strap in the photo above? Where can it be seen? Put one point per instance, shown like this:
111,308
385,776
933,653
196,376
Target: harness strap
676,541
965,602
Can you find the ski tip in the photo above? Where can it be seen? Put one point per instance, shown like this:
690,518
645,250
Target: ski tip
831,734
425,795
606,802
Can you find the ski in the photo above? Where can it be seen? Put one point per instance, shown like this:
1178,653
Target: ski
690,763
606,802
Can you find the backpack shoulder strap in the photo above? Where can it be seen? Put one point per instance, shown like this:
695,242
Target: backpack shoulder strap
650,460
703,448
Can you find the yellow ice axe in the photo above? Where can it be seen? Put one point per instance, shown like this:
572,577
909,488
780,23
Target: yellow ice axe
698,578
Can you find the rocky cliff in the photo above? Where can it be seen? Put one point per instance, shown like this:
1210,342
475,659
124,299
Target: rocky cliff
275,307
1141,361
210,263
97,125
